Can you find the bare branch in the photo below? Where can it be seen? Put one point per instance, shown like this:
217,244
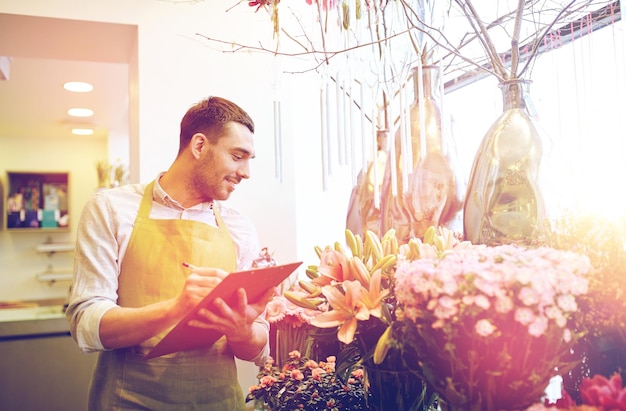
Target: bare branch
543,35
485,40
515,37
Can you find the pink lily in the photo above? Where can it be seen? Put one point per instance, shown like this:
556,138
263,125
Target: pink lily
348,309
333,267
374,297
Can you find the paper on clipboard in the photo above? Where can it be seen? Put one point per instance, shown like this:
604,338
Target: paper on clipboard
255,281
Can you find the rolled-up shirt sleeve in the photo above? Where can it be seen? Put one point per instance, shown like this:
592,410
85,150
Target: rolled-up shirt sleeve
96,270
85,319
263,355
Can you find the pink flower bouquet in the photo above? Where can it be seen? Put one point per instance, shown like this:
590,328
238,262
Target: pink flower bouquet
492,325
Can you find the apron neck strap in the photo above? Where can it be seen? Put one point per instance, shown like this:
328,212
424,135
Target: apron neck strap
146,201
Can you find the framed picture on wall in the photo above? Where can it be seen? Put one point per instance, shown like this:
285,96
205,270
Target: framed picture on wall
37,200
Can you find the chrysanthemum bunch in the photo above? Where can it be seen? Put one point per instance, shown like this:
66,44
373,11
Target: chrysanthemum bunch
492,323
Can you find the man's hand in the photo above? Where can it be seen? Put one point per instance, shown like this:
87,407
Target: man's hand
247,338
198,285
234,321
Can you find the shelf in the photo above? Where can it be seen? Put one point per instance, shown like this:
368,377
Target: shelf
52,277
55,248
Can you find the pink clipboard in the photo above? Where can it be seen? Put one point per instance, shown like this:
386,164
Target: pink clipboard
255,281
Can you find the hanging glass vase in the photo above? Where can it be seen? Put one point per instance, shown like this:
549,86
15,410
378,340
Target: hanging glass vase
364,207
433,192
431,196
395,212
504,202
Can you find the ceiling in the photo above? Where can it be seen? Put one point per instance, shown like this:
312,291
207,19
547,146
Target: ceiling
44,53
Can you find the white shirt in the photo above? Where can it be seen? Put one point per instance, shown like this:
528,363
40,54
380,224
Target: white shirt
103,233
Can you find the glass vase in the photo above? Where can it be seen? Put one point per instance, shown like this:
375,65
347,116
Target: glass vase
431,196
504,202
364,206
433,193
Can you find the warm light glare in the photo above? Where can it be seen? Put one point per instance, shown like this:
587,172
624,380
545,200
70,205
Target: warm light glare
80,112
78,86
82,131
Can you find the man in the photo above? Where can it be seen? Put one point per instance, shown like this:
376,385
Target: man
130,286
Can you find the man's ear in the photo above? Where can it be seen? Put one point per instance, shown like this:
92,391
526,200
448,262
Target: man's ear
197,144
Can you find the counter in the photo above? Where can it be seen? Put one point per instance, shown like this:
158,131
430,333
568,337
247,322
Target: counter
41,367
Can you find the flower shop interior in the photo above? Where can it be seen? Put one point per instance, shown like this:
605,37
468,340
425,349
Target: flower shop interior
447,173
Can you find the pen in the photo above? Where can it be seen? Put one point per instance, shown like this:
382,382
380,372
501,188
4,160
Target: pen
187,265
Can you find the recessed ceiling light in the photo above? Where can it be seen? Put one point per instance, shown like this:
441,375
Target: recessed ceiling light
78,86
82,131
80,112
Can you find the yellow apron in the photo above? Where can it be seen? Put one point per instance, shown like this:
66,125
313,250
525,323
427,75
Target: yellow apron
202,379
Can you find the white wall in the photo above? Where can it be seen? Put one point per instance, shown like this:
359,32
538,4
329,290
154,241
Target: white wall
19,262
177,68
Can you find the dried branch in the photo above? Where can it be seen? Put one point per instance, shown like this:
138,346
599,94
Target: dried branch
539,39
455,54
326,54
484,38
515,38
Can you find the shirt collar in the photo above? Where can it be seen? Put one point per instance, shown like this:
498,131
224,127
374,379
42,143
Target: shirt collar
161,197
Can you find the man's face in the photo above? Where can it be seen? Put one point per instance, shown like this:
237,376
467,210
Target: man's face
223,165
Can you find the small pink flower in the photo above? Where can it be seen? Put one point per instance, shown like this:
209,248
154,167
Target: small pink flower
446,308
554,313
567,302
358,373
297,375
317,373
267,381
482,302
275,309
528,296
567,335
524,316
484,327
488,287
538,327
504,304
438,324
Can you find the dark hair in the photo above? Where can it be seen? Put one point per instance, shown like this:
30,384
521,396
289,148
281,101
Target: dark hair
210,117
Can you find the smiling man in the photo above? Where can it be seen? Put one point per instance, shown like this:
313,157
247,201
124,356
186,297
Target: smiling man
130,286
